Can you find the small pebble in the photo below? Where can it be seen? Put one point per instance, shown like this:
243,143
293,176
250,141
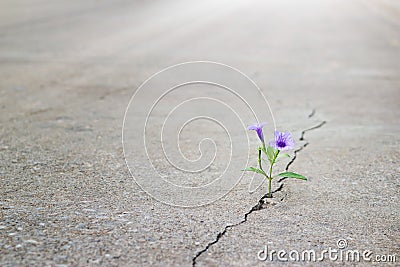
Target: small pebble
89,210
31,241
81,225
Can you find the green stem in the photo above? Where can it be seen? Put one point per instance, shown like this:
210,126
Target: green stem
270,174
260,149
269,187
259,164
259,158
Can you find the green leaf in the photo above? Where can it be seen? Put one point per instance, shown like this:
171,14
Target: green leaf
252,169
283,155
265,161
263,149
270,154
292,175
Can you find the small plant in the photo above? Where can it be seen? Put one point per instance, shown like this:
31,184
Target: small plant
283,141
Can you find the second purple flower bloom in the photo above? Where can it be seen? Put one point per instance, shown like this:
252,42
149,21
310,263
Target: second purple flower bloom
283,141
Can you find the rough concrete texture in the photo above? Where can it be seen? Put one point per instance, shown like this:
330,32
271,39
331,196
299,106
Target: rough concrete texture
68,70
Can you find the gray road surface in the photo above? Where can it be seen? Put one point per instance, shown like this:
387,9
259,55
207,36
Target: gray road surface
69,68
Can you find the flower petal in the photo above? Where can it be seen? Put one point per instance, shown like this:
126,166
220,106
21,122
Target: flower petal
258,128
283,141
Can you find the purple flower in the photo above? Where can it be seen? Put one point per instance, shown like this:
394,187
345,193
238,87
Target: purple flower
283,141
258,128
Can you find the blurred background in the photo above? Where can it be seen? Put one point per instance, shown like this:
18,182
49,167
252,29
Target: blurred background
296,48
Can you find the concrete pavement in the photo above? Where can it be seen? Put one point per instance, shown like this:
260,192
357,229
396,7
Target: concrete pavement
68,70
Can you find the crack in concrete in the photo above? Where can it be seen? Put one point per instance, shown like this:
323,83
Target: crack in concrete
312,113
262,203
259,206
303,146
